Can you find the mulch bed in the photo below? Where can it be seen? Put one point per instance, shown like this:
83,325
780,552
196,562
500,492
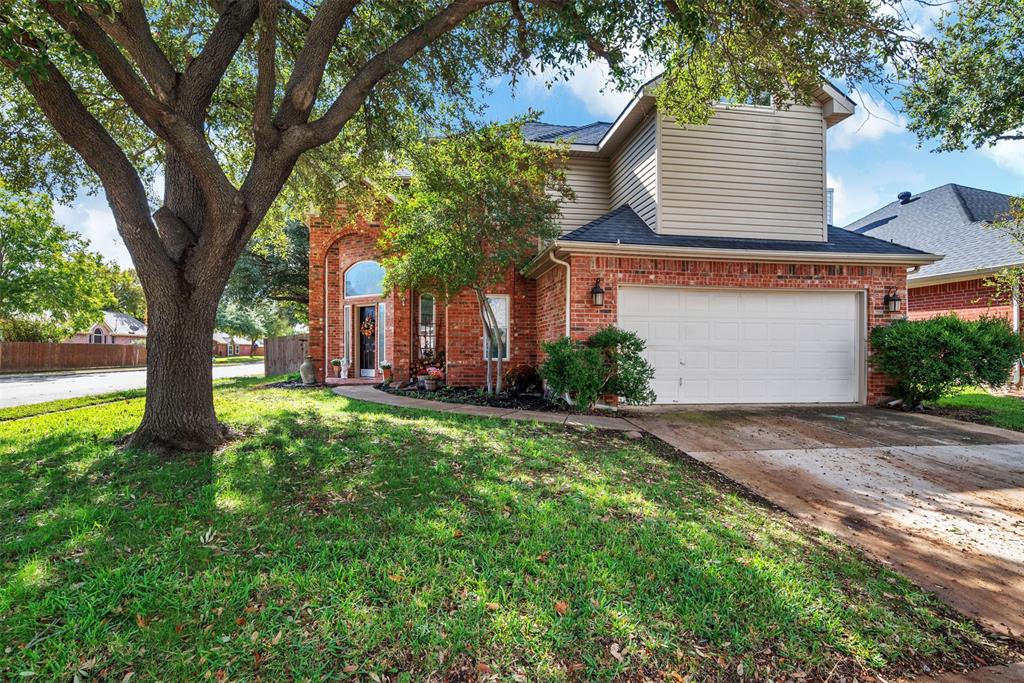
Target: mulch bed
977,415
293,384
474,396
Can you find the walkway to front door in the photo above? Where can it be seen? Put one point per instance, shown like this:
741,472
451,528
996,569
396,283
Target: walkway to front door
367,341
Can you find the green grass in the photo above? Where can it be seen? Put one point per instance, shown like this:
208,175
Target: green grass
338,540
17,412
234,360
1000,411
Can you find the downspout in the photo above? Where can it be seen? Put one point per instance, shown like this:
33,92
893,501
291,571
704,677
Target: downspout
327,318
1015,317
568,283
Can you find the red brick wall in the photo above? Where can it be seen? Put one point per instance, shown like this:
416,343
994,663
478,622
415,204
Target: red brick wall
465,331
969,299
614,271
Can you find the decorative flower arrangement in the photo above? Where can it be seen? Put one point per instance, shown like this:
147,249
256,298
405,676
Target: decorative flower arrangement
368,327
385,365
435,373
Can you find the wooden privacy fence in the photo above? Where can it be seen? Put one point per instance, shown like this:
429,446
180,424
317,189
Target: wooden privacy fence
35,356
284,355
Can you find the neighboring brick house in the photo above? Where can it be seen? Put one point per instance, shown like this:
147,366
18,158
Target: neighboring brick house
955,221
225,345
115,328
710,242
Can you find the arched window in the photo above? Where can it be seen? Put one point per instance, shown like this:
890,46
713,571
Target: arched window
364,278
97,336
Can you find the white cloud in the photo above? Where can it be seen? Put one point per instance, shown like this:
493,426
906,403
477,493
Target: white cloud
90,217
849,205
872,120
1007,154
591,84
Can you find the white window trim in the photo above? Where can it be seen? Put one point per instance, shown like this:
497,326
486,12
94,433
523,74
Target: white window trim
433,320
344,283
508,328
346,343
382,319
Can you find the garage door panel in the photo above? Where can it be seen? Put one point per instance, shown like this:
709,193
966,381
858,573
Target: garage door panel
747,346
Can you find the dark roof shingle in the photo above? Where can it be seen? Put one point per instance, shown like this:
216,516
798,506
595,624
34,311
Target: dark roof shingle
953,220
624,226
588,134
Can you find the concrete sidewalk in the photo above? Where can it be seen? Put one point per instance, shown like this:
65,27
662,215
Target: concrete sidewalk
374,395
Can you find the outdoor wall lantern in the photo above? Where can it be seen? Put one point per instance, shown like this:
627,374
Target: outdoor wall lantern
597,294
892,301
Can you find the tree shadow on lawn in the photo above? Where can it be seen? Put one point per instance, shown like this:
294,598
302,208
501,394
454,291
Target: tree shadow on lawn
399,541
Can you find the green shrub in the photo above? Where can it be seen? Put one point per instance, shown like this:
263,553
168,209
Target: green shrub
928,359
610,362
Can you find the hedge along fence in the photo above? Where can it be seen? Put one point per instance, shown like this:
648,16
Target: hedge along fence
35,356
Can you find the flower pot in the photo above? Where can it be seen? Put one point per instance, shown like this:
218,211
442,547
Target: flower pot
387,374
430,384
337,371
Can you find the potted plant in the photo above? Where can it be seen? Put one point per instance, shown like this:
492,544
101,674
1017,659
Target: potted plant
336,363
434,375
385,369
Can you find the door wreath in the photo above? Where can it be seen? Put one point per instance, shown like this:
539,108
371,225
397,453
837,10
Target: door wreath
368,327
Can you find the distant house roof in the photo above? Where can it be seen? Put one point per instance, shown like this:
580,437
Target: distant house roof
953,220
587,134
224,338
123,325
624,226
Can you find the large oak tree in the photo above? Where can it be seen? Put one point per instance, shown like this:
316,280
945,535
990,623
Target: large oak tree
199,119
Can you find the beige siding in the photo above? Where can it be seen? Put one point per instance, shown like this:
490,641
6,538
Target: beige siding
751,172
634,173
588,177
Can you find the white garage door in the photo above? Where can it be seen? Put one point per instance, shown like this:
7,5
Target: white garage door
747,346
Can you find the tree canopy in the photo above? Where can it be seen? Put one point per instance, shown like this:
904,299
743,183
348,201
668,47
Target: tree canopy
49,280
275,268
968,89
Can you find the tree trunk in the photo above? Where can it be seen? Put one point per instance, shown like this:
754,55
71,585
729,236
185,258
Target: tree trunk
179,413
484,307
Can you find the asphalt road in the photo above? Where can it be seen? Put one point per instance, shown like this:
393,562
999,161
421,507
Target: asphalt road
16,390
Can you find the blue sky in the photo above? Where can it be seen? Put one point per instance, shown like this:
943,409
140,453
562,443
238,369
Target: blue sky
871,156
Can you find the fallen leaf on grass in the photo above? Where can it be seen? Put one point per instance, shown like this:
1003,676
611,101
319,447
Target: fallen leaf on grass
396,577
492,606
576,666
561,607
277,638
483,668
676,677
543,557
140,620
458,534
616,651
127,677
351,669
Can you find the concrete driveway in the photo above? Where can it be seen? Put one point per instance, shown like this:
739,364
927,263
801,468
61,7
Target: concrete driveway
941,501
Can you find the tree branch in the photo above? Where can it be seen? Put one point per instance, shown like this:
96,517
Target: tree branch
184,137
304,84
125,192
132,31
266,74
391,59
204,73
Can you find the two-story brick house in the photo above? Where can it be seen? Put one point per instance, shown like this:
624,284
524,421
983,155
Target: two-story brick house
711,242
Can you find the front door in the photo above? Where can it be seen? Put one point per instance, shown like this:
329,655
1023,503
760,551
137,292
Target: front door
367,341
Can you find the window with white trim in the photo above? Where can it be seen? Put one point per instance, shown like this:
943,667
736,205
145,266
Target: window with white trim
382,319
428,326
500,307
97,336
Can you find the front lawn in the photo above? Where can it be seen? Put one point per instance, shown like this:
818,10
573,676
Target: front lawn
344,540
978,405
234,360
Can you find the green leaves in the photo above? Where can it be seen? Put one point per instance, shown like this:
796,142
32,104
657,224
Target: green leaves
968,89
47,274
477,203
